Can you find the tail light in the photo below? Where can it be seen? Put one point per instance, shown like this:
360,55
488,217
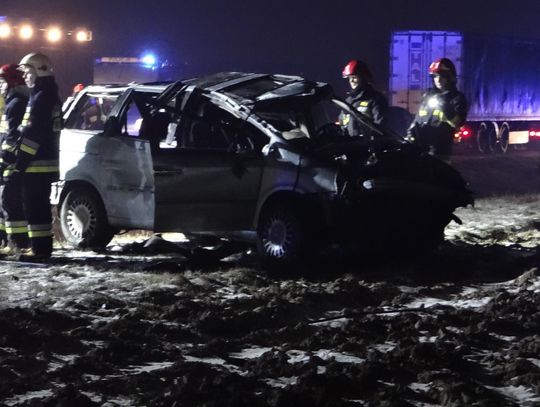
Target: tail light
462,134
534,134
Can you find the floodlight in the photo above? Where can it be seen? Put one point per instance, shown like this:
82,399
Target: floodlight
83,36
53,34
26,32
5,30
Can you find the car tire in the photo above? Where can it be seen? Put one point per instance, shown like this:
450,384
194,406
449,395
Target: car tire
83,220
283,235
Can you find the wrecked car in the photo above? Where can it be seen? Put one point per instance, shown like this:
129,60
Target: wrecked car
255,155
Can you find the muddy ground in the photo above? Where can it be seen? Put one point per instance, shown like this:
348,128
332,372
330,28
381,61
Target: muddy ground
135,326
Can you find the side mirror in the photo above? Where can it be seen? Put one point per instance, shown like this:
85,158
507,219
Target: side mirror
112,126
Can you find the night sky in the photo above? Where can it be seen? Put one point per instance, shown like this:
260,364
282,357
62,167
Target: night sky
314,39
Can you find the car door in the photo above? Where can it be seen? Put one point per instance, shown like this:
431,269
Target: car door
127,165
206,179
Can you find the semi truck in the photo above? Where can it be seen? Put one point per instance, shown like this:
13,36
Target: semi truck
500,77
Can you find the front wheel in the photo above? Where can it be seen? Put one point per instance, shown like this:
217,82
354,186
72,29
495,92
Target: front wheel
83,219
283,236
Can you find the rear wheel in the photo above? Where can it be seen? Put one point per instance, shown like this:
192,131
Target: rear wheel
83,219
485,138
504,138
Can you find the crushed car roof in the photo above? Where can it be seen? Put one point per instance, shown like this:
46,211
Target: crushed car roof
253,87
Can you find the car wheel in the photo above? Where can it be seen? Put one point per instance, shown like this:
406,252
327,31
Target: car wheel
83,219
282,235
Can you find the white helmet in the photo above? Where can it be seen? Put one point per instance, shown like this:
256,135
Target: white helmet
41,63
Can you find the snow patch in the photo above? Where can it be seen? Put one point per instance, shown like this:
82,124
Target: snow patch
522,395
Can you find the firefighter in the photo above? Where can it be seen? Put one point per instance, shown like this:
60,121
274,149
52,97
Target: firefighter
15,94
442,112
36,161
363,96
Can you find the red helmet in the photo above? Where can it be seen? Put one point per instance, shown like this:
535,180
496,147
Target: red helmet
12,75
443,66
356,67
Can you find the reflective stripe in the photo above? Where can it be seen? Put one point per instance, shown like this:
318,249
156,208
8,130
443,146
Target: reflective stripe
4,124
364,103
345,119
39,166
43,230
422,112
40,169
40,233
28,150
14,231
26,117
2,227
29,146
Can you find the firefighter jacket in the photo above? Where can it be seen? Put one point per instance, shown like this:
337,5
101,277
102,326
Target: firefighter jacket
16,103
440,115
446,108
368,101
39,142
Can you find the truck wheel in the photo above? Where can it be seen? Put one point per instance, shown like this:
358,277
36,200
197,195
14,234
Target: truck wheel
485,138
282,235
504,138
83,219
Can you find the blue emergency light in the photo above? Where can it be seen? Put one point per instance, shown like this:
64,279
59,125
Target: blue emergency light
149,60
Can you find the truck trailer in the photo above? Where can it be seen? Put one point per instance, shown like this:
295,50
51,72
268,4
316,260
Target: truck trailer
500,77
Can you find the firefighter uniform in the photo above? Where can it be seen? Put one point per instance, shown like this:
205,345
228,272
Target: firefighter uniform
13,225
367,101
36,164
363,97
441,114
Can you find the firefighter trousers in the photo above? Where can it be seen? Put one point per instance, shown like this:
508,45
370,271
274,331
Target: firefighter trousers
27,211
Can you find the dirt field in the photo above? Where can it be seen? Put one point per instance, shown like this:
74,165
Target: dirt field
136,326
